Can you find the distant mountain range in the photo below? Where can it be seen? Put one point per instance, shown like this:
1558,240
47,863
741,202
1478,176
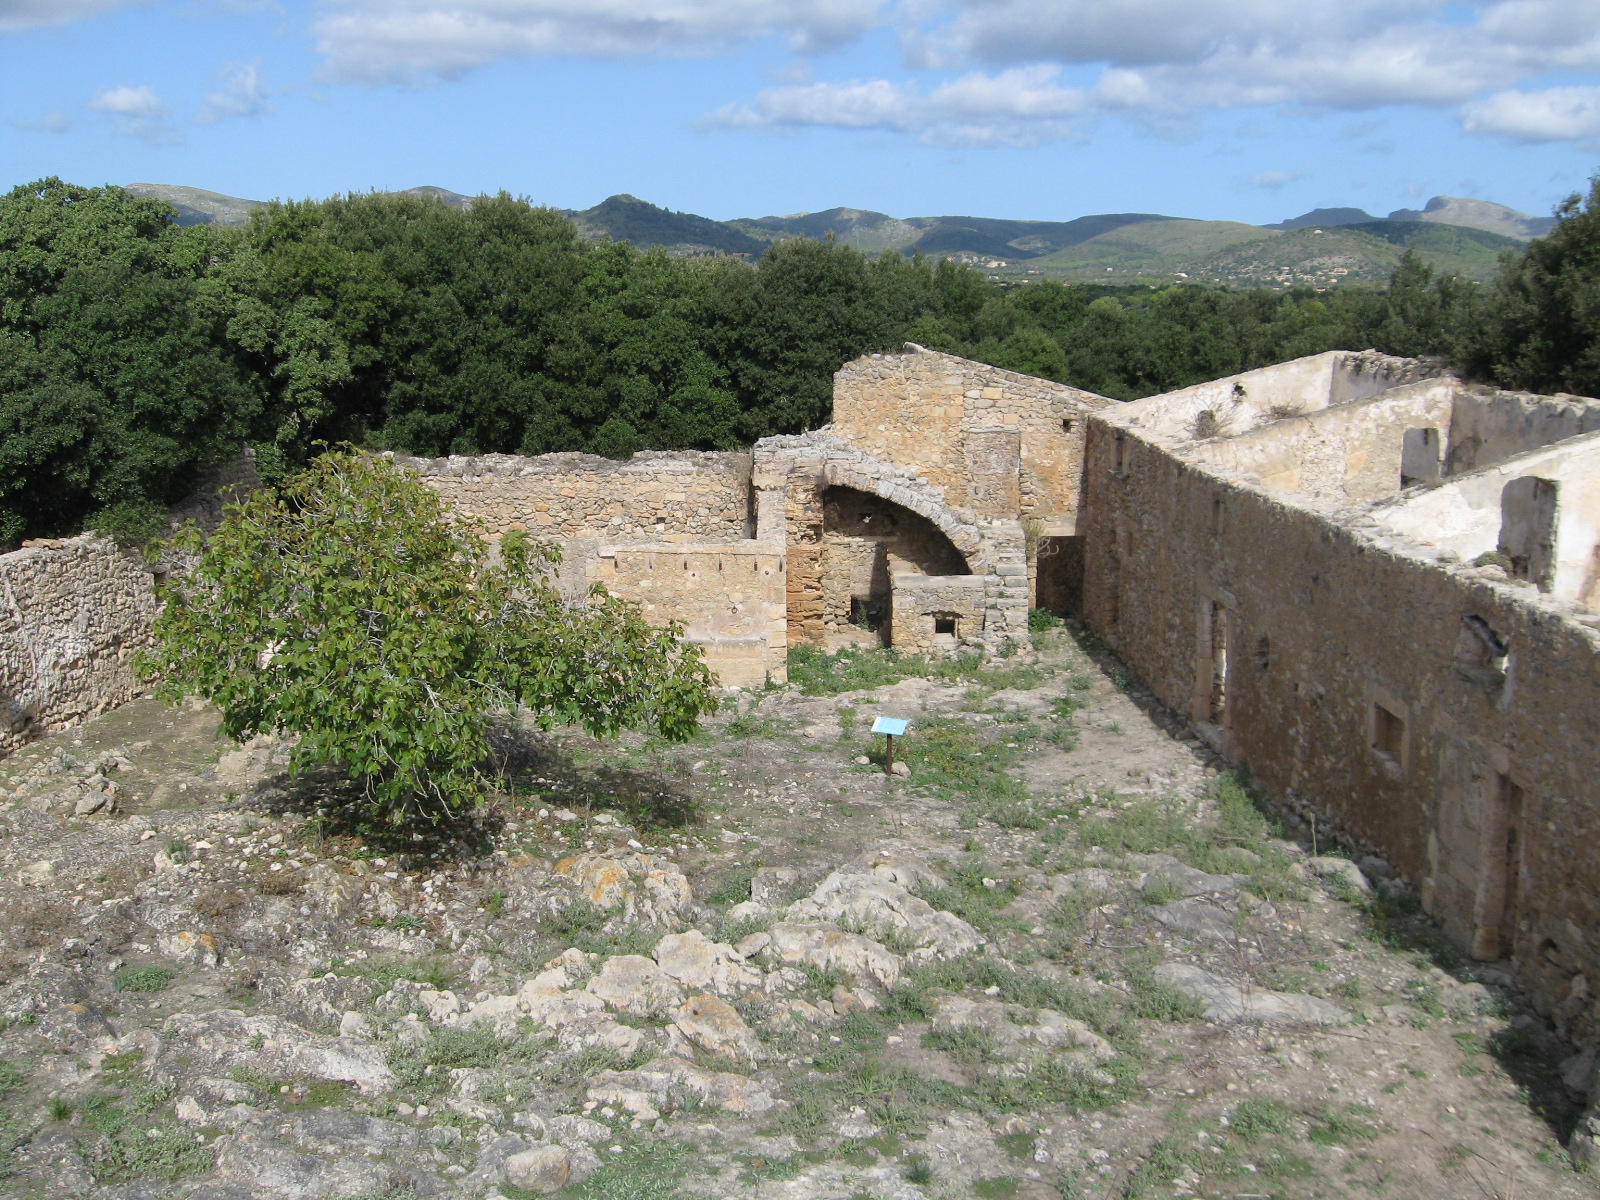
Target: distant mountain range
1325,247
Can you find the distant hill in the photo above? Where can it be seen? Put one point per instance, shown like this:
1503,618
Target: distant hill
453,199
628,219
1325,217
1484,215
1325,247
1478,214
196,206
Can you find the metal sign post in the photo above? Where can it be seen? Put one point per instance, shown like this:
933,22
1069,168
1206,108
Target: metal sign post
891,728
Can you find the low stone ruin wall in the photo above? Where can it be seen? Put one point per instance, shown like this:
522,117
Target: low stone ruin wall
666,494
73,614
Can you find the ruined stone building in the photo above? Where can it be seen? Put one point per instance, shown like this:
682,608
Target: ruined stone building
1379,588
907,521
1376,586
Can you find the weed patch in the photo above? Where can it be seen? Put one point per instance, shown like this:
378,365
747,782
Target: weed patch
142,979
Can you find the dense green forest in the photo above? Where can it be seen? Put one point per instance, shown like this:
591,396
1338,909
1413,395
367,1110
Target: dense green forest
133,351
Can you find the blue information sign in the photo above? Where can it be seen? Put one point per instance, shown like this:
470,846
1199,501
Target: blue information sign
893,726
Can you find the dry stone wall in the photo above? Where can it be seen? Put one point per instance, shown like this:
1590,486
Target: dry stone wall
73,614
667,494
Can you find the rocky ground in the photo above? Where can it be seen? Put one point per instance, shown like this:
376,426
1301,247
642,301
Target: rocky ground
1063,957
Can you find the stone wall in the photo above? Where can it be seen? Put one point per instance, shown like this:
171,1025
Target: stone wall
793,476
937,614
1360,684
729,598
72,615
993,442
655,495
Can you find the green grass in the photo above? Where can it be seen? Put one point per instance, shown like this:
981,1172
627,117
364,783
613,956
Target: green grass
142,979
168,1154
857,669
648,1172
1253,1119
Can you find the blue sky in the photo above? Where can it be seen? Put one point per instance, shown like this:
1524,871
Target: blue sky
1248,110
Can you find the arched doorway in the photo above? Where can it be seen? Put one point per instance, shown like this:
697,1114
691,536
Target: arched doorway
866,540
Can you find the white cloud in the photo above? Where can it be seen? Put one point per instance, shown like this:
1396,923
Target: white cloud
136,112
1558,114
54,121
1274,180
410,41
243,94
1020,107
1166,62
19,15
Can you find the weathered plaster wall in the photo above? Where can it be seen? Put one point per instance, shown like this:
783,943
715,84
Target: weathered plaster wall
1323,623
1237,404
993,442
655,495
1464,514
72,615
1349,452
1488,427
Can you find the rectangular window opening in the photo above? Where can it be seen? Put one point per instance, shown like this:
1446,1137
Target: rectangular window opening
1118,452
1219,663
944,625
1388,733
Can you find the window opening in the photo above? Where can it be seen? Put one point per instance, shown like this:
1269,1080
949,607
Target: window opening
1118,452
1528,528
1219,663
1481,654
1068,425
1263,653
1500,880
1419,457
944,625
1388,733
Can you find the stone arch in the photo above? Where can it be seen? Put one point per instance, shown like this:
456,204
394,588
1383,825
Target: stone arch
963,536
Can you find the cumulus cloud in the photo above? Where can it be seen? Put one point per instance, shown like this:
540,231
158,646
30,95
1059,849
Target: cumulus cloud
17,16
1165,62
1559,114
136,112
1272,181
243,94
1019,107
410,41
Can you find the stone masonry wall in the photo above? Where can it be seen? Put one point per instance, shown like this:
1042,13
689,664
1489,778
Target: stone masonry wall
72,615
656,495
729,598
1324,625
994,442
920,601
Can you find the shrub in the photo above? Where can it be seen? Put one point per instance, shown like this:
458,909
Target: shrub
347,608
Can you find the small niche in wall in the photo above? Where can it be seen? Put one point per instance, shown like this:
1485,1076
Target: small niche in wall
1263,653
1068,425
1119,452
1389,735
